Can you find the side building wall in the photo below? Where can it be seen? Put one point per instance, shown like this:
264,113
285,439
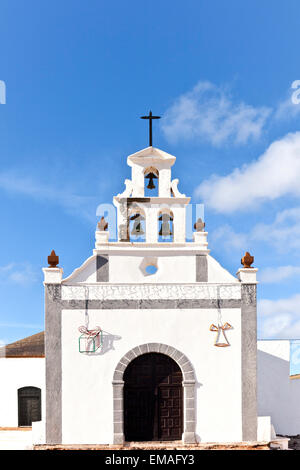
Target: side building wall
278,394
16,373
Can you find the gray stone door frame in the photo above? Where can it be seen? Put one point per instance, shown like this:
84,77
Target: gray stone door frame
188,383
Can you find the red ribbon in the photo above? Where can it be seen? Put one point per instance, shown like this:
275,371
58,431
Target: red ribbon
85,331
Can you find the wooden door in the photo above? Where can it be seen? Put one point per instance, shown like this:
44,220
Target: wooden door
170,413
153,402
29,405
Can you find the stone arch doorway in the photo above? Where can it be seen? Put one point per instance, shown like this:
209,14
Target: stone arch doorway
29,405
188,383
153,399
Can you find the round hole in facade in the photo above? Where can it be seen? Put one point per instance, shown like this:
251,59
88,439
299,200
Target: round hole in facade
151,269
153,399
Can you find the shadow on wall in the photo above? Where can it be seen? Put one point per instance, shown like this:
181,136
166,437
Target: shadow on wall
197,387
277,395
107,344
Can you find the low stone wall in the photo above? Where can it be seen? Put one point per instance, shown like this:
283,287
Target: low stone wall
161,446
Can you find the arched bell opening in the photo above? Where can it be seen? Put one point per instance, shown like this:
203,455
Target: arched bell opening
151,175
137,225
165,226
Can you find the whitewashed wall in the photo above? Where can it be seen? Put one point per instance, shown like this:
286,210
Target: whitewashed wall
91,407
129,269
278,395
16,373
173,267
87,405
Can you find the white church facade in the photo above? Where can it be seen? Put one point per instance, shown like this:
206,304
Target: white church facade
151,339
179,385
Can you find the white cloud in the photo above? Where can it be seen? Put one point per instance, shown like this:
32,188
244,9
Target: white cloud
283,234
286,110
279,318
289,107
14,183
278,274
228,238
276,173
20,273
208,113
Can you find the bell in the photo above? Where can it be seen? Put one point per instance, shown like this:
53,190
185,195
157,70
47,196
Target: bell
165,230
137,229
151,184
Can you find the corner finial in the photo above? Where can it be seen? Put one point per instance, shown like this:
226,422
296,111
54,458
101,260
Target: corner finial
247,260
199,225
102,225
53,259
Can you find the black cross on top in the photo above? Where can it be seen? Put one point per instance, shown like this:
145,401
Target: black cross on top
150,117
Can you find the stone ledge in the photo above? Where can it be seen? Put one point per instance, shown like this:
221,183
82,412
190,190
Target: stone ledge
175,445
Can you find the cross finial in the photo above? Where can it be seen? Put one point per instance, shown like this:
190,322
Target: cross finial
150,117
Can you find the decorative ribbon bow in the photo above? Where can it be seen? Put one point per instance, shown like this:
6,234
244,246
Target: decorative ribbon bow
221,329
94,332
226,326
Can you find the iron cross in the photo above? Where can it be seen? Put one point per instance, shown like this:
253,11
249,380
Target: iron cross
150,117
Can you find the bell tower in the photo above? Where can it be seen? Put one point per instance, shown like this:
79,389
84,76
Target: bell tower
161,218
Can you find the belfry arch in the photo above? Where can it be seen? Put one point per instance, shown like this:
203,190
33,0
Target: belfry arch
152,186
136,223
165,225
188,383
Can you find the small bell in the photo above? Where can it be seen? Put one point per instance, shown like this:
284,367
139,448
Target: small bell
165,230
137,229
151,184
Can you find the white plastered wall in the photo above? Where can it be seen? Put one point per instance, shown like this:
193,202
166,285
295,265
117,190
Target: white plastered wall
278,395
216,272
16,373
171,269
174,267
87,405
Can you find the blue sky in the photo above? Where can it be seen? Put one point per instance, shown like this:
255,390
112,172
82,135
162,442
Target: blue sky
79,74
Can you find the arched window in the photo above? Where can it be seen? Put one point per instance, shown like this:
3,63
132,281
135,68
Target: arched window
29,405
151,182
165,226
137,225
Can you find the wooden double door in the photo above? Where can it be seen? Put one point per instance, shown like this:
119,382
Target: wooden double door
29,404
153,399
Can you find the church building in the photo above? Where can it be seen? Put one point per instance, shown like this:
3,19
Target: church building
151,339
